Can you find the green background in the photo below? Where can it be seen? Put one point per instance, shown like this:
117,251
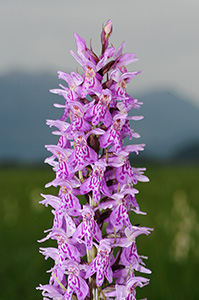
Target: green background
171,200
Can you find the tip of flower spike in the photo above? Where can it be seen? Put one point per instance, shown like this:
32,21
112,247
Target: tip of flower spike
108,28
106,32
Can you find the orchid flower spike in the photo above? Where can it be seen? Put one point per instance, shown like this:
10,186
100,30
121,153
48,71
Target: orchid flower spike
95,253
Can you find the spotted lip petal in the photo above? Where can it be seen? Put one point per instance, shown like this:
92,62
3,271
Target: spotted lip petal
101,265
96,182
75,282
88,229
82,155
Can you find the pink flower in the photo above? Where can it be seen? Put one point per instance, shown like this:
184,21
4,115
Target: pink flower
100,111
82,155
113,135
88,228
91,80
128,291
101,265
96,182
76,283
121,81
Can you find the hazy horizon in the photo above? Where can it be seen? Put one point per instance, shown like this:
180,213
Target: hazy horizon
170,121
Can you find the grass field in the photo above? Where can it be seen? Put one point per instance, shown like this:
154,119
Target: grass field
171,200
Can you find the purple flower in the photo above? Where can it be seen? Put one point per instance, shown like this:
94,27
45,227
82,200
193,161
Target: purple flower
48,290
77,119
126,174
67,199
100,111
58,273
66,245
119,216
129,290
74,80
96,182
121,81
61,125
113,135
76,283
101,265
130,257
61,167
131,233
63,142
88,228
61,212
82,155
91,80
82,49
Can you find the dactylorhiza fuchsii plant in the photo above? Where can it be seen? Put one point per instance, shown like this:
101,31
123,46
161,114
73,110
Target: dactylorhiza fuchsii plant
96,255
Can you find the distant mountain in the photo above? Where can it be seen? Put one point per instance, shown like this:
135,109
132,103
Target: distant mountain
25,105
170,122
190,153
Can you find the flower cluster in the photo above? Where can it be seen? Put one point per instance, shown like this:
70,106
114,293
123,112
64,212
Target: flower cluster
96,255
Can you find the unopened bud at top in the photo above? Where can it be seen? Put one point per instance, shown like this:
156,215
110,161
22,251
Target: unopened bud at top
106,32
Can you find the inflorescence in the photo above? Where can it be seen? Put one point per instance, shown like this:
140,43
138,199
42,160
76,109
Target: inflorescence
96,255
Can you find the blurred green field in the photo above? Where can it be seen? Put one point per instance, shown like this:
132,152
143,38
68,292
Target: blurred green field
171,200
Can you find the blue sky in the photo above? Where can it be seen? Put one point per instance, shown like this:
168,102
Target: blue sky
37,36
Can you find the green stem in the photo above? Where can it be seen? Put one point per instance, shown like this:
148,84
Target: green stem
63,287
81,176
100,290
106,155
91,254
115,233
